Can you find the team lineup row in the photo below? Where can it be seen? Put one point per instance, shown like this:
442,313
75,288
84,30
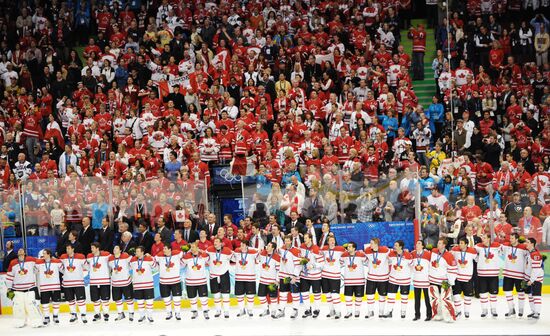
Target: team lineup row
286,275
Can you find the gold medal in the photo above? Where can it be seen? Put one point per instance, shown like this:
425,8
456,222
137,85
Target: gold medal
374,265
194,268
463,265
487,261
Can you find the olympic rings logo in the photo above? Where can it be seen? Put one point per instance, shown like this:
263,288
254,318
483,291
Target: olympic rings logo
225,174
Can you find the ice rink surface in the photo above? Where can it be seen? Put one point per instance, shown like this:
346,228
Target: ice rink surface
320,326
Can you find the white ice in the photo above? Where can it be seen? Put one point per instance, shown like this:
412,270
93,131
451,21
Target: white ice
320,326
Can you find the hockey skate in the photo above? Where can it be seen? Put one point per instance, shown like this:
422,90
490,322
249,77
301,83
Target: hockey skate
177,316
96,318
46,321
168,316
205,313
83,318
120,316
56,319
316,313
510,314
194,314
106,317
294,313
348,315
337,316
226,314
264,313
73,318
307,313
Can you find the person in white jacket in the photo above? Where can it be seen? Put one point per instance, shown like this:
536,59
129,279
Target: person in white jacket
68,158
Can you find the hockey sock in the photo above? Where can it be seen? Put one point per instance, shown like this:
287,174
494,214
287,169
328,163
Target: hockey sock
531,303
263,302
149,306
484,299
349,303
130,305
381,304
218,301
370,303
316,300
328,296
72,307
283,299
273,306
81,306
105,306
509,300
521,302
296,300
56,308
305,298
46,309
404,302
537,300
335,301
141,307
97,306
250,301
493,301
167,304
225,298
119,306
358,303
391,301
177,304
204,303
467,304
193,303
457,302
240,302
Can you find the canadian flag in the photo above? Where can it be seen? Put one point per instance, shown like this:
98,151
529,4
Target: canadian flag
180,216
164,89
221,58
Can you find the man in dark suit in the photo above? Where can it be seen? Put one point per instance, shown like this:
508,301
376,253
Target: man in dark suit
62,240
9,256
127,243
294,221
77,246
106,236
189,235
473,240
276,236
324,233
211,226
313,206
165,233
86,236
145,237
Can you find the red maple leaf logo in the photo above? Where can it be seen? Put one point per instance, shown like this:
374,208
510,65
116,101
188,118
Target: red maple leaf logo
512,257
435,264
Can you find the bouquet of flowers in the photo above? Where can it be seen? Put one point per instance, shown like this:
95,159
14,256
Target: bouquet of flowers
304,261
10,294
185,248
132,251
273,287
286,280
445,285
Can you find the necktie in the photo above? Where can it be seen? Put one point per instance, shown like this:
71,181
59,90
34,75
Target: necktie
296,242
211,229
186,235
257,243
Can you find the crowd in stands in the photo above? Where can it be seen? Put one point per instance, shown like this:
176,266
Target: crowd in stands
132,103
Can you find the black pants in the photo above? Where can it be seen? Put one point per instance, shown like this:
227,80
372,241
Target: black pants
144,294
118,292
330,285
535,289
220,284
170,290
193,291
100,292
418,298
357,290
377,286
508,284
263,290
488,285
314,285
245,287
72,293
50,296
463,287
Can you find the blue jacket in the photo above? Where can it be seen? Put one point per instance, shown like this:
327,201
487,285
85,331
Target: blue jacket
390,122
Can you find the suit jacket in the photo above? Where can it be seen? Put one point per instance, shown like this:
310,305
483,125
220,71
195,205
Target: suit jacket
146,240
86,237
320,241
300,225
106,239
209,234
62,241
7,260
77,246
192,237
477,239
126,247
165,235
